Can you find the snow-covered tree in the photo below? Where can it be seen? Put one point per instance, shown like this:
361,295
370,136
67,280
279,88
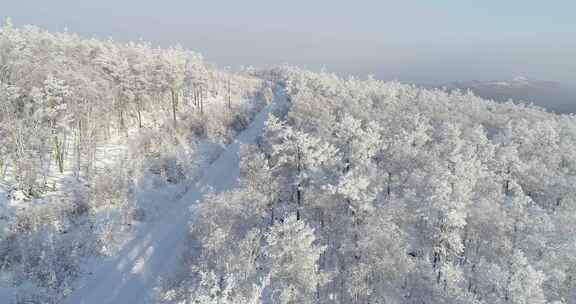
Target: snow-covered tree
293,252
305,157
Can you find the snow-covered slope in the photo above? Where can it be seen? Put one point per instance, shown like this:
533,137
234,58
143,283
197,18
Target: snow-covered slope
554,96
130,276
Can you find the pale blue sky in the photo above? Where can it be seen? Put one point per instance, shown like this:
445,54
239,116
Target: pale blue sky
417,40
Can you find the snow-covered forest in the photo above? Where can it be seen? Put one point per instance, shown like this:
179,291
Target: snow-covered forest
136,174
96,137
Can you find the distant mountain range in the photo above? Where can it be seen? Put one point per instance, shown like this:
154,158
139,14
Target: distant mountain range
554,96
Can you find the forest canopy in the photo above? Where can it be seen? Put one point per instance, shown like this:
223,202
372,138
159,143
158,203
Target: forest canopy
352,191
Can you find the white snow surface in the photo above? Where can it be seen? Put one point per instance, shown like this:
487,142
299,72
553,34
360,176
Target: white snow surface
133,273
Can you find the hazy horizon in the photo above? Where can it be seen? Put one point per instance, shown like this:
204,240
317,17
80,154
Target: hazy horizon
417,41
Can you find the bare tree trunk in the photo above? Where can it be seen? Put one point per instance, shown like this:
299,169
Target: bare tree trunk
298,201
3,165
195,96
59,154
507,182
139,112
174,107
299,194
78,147
201,96
271,214
121,118
389,184
229,95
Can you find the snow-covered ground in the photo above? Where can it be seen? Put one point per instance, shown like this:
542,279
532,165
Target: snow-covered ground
131,275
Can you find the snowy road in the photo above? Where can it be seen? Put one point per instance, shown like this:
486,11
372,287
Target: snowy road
131,276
